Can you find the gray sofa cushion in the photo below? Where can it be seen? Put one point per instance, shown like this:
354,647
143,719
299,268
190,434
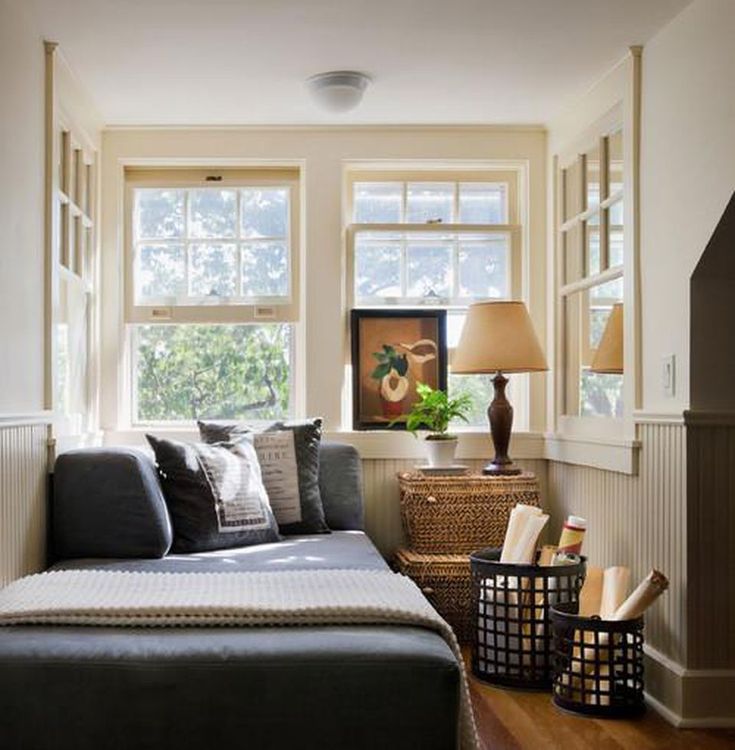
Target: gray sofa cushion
193,487
340,482
307,436
108,503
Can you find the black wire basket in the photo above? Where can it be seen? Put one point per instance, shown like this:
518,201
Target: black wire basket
598,664
512,631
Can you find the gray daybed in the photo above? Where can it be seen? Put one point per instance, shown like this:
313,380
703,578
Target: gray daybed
202,688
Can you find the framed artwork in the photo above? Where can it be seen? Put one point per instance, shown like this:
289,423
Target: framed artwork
392,351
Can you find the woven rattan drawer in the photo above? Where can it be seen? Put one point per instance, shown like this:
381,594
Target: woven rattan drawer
446,583
458,515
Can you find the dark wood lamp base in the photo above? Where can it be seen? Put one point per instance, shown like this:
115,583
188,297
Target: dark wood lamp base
500,416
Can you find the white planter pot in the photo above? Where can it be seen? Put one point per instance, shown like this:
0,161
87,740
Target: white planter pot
440,453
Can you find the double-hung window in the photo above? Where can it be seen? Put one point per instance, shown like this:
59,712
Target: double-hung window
591,232
211,293
72,214
436,238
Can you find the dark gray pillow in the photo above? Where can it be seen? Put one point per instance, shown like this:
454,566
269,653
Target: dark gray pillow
107,502
307,435
214,494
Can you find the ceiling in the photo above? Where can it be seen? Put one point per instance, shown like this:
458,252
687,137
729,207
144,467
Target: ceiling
203,62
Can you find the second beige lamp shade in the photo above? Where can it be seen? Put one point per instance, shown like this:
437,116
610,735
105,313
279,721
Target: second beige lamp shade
498,337
609,355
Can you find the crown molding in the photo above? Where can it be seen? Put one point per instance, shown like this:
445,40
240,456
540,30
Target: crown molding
317,127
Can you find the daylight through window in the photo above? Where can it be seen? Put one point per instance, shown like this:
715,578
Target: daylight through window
591,247
436,241
211,296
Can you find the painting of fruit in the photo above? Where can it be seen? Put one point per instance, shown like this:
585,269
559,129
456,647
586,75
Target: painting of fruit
393,351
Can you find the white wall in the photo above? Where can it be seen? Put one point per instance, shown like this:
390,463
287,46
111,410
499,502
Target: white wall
21,213
324,152
687,176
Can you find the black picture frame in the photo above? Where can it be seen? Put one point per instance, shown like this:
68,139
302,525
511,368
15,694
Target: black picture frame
428,323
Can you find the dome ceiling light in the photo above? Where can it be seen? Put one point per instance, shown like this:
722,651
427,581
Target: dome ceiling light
338,90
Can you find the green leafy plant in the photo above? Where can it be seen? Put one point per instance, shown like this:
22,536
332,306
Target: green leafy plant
434,411
389,359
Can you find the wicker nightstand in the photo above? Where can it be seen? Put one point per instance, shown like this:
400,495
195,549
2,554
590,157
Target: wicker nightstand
447,517
457,515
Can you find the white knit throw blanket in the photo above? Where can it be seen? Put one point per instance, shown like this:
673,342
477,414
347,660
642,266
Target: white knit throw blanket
302,597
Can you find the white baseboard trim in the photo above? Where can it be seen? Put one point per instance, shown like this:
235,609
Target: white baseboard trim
664,661
671,716
689,698
709,722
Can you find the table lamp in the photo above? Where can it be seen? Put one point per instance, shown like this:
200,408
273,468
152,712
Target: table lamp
609,355
498,337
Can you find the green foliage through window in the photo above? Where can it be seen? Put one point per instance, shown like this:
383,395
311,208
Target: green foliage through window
187,372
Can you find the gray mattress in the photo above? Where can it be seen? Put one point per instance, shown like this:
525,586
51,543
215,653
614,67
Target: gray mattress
340,549
305,688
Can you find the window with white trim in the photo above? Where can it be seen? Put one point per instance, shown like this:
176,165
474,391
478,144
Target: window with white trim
74,262
591,232
211,293
436,238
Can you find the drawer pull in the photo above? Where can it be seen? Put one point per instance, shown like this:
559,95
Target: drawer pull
427,590
430,499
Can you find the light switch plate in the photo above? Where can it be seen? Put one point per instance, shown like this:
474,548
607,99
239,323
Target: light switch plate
668,375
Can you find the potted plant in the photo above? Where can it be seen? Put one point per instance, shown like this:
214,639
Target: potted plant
434,411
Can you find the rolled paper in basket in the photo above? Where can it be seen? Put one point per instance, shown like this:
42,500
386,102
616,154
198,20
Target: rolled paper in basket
615,582
572,535
523,550
590,594
521,537
603,591
545,559
649,589
524,527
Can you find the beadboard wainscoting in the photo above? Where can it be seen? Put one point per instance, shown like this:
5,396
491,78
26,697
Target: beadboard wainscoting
23,482
382,505
639,521
675,516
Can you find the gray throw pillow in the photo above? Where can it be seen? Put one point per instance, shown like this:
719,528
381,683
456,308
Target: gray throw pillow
308,517
214,494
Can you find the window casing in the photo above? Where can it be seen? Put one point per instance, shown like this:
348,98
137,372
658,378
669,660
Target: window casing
212,293
443,238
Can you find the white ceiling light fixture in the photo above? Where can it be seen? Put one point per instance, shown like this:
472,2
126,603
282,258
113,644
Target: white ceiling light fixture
338,90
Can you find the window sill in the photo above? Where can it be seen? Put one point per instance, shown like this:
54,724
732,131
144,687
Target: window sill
386,444
372,444
610,454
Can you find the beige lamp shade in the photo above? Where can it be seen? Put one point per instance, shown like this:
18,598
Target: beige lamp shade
609,355
498,336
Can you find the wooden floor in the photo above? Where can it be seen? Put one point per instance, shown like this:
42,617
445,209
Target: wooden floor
516,720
